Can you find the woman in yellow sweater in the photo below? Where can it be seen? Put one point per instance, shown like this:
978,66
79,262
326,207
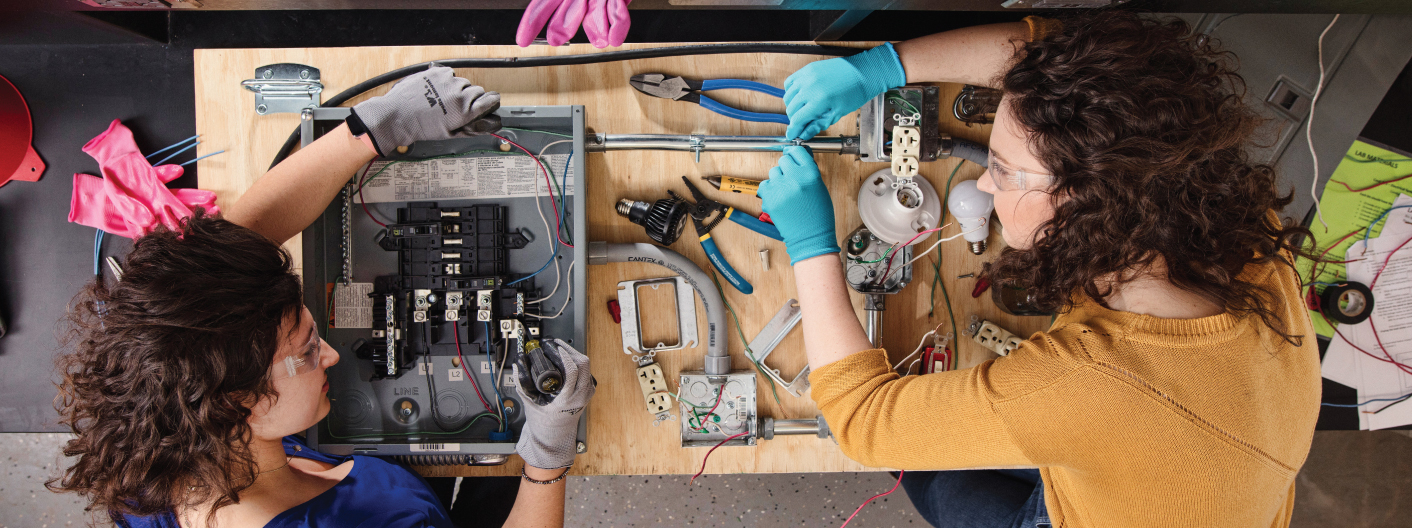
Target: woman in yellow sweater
1179,385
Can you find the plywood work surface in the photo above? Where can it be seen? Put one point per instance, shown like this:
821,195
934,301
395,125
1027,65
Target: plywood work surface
621,438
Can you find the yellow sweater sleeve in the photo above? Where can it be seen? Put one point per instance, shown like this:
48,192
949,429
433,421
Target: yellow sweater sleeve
936,421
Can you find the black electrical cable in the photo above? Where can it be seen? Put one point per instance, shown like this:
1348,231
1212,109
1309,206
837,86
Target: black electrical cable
568,60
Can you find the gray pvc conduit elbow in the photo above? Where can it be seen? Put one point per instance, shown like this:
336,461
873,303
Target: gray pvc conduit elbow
718,360
969,151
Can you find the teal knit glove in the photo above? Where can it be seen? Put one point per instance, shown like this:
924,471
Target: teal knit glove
799,205
822,92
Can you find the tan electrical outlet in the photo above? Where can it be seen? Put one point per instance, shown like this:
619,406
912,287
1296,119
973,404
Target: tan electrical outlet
906,141
654,388
658,402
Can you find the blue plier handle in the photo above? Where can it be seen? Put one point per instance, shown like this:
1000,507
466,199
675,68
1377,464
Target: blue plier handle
683,89
706,214
754,224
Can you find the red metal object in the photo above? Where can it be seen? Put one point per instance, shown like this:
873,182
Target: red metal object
615,310
18,160
936,361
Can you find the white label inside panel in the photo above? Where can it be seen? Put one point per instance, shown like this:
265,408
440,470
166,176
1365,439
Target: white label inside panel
352,308
423,448
492,176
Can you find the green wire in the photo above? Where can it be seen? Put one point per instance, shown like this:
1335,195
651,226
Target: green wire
936,264
458,431
696,416
748,352
885,253
894,95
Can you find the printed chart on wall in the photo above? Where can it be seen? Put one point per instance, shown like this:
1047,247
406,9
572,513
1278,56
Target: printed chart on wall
482,175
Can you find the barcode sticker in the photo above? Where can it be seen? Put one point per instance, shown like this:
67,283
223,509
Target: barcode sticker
423,448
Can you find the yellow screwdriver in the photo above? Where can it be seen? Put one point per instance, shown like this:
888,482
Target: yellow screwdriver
733,184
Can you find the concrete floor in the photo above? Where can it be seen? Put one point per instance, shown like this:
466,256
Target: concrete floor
1353,479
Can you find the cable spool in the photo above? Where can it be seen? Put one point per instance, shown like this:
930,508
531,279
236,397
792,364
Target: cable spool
1347,302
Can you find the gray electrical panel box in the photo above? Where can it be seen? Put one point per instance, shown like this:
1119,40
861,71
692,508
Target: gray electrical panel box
429,312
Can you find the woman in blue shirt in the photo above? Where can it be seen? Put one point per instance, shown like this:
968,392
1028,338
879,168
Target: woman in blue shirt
188,377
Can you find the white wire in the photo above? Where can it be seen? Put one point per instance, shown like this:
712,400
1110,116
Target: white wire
568,292
938,243
920,345
1309,126
558,277
913,364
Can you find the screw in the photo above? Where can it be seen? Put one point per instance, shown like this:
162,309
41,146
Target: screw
966,276
304,74
269,73
261,109
581,447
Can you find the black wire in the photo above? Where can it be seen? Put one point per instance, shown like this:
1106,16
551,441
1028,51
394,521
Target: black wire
1399,400
431,380
567,60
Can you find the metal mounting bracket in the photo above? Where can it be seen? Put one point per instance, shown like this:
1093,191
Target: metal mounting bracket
285,88
769,337
632,317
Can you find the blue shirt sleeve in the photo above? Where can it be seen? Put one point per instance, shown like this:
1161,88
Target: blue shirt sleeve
400,519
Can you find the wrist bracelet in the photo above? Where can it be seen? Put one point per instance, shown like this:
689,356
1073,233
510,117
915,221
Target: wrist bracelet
357,128
545,482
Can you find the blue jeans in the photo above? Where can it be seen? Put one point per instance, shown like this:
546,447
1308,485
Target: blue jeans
987,498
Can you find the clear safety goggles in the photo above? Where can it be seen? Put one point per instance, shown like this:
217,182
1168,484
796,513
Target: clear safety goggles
1010,179
304,361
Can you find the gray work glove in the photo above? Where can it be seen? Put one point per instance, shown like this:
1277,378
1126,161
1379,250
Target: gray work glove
549,439
431,105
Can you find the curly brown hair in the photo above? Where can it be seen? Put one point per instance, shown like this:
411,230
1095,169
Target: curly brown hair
1141,123
165,364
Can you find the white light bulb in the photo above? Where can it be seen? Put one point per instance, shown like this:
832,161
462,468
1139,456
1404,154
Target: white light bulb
972,208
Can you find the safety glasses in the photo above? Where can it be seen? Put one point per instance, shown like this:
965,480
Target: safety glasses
304,361
1010,179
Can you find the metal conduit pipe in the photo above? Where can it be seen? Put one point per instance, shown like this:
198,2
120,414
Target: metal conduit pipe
718,360
770,428
700,143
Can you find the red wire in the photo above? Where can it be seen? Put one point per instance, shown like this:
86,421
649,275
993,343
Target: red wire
360,196
1373,325
1374,186
456,330
713,449
875,497
890,256
547,183
719,393
1400,366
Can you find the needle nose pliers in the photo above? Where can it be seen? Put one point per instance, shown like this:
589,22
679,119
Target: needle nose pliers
682,89
706,214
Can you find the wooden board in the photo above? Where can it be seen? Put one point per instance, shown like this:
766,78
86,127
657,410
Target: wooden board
622,439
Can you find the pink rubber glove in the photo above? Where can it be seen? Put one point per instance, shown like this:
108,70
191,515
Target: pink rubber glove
132,197
607,22
563,18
